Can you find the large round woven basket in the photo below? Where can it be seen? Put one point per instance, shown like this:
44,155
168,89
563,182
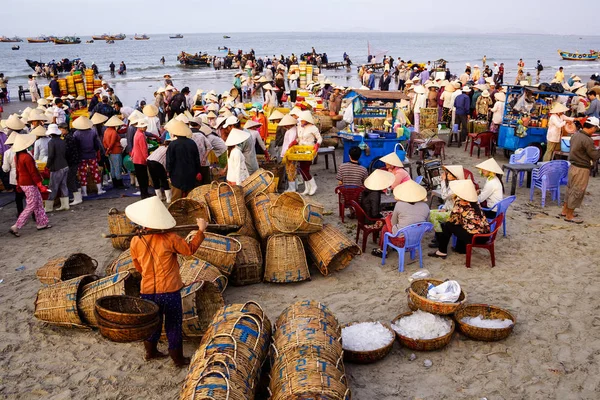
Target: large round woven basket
194,269
487,312
424,344
310,385
278,170
126,310
307,309
260,181
186,211
259,208
121,264
285,363
214,385
292,213
200,302
331,250
118,223
57,304
64,269
248,267
368,357
218,250
227,204
285,260
121,283
417,294
128,334
199,193
248,228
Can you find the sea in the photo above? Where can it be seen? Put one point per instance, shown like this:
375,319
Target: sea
145,72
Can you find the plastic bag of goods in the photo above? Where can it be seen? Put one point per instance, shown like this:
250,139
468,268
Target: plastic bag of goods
447,292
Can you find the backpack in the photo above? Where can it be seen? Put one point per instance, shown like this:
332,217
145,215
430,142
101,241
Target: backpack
540,67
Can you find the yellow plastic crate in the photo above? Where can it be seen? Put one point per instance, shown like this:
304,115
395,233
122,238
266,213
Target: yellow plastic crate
301,153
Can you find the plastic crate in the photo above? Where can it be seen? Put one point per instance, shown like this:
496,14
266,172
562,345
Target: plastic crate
299,153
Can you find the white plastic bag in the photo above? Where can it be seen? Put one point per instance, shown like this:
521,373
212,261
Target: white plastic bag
348,114
447,292
421,274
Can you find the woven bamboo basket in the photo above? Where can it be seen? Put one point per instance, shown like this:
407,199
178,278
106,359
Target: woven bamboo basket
487,312
285,260
185,211
246,329
307,309
118,223
126,310
121,283
292,213
215,385
313,362
309,323
64,269
278,171
248,267
199,193
121,264
221,362
328,342
417,293
368,357
423,344
249,307
260,181
248,228
200,302
227,204
57,304
128,334
331,250
306,385
194,269
220,251
259,208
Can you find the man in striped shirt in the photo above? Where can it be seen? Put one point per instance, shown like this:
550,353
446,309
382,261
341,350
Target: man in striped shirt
352,173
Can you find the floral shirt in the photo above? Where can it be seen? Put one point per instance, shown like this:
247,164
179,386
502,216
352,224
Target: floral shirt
463,214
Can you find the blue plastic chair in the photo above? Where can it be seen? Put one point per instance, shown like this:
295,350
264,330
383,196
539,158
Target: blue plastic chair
413,235
548,177
529,155
501,208
419,179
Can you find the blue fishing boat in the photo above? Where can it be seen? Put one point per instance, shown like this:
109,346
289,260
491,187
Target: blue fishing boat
591,56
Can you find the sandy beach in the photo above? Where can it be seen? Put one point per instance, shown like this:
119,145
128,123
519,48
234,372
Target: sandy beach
546,275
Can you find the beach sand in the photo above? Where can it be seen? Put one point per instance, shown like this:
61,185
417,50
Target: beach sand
546,275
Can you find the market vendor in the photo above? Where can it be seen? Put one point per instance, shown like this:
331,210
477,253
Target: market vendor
155,257
438,217
308,135
378,181
237,172
557,121
289,123
395,166
493,190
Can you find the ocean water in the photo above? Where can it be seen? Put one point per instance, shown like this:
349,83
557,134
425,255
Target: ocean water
144,71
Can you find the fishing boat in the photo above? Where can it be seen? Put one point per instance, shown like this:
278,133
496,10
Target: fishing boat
63,65
224,48
16,47
141,37
39,39
591,56
178,36
15,39
194,60
67,40
226,37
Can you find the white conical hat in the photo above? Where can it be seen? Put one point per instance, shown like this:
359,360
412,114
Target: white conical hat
98,118
276,115
36,115
150,110
82,123
179,128
14,122
465,189
251,124
288,120
490,165
150,213
236,136
456,170
392,159
306,116
11,138
23,142
114,121
182,118
39,131
135,115
410,192
558,108
379,180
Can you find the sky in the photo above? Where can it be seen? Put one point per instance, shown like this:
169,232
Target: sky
87,17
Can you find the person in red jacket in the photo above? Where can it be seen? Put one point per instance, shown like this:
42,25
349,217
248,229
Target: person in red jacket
139,156
30,181
112,144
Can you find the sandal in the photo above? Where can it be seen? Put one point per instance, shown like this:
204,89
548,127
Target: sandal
377,253
44,227
434,254
15,234
561,215
574,221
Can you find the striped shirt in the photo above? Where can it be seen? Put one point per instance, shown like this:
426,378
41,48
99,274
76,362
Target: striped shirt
352,174
159,155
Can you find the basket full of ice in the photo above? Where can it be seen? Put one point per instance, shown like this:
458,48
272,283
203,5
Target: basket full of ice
366,342
420,330
484,322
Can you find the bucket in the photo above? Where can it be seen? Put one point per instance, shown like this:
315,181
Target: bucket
227,204
185,212
260,181
218,250
200,302
565,144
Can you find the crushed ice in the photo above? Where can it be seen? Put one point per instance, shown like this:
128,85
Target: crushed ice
480,322
366,336
422,325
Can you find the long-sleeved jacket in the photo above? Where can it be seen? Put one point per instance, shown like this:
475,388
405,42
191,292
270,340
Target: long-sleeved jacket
88,142
183,163
57,154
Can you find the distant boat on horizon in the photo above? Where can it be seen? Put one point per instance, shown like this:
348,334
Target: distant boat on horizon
141,37
120,36
178,36
15,39
226,37
67,40
39,39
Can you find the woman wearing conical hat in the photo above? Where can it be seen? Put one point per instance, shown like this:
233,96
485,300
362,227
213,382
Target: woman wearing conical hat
438,217
557,121
89,145
493,190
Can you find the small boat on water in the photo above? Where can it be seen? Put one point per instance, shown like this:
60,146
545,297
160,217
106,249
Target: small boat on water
142,37
39,39
16,47
89,41
194,60
178,36
226,37
15,39
67,40
591,56
110,41
63,65
224,48
120,36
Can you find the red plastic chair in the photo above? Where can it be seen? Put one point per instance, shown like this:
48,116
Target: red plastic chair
484,140
469,175
346,194
366,225
489,243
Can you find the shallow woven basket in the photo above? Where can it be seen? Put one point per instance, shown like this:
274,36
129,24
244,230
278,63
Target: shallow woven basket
259,208
292,213
200,302
331,250
285,261
121,264
307,309
126,310
248,267
424,344
185,211
487,312
248,228
63,269
121,283
368,357
199,193
57,304
260,181
118,223
417,293
194,269
227,204
128,334
218,250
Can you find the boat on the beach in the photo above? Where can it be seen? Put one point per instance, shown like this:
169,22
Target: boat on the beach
15,39
591,56
39,39
63,65
141,37
67,40
178,36
194,60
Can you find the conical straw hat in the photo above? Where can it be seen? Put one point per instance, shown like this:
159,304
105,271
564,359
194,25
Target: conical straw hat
456,170
150,213
150,110
179,128
98,118
135,115
410,192
465,189
490,165
288,120
251,124
276,115
83,123
22,142
11,138
379,180
558,108
392,159
14,122
114,121
39,131
236,136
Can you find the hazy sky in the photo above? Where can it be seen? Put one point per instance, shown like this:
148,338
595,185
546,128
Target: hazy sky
87,17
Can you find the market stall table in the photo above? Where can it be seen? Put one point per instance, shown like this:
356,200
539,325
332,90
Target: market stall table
326,152
515,169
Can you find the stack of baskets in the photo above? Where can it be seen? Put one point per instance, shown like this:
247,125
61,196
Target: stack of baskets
229,361
307,334
125,318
